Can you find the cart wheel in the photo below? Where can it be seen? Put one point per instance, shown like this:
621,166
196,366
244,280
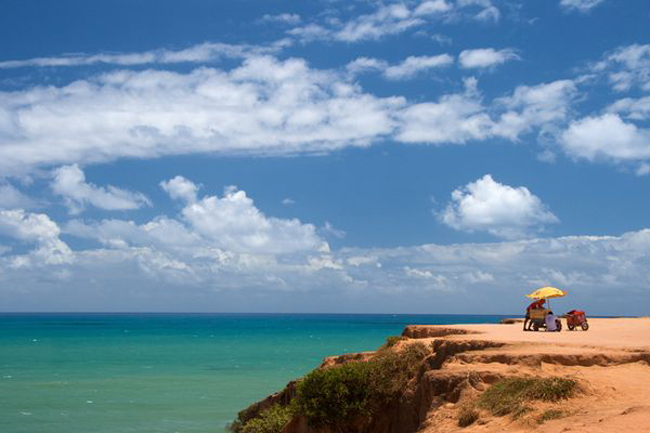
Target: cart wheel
535,327
558,325
585,326
571,327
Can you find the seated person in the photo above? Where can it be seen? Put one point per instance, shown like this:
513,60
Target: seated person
535,305
551,322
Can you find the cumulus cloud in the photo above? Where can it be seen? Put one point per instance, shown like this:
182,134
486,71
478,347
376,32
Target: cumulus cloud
501,210
70,183
455,118
264,106
545,105
180,188
39,229
230,223
234,223
410,67
606,137
485,57
410,279
580,5
201,53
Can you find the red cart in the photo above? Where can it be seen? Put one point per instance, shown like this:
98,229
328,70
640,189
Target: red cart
575,318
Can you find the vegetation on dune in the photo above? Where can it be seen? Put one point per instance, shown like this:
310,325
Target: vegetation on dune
509,395
338,395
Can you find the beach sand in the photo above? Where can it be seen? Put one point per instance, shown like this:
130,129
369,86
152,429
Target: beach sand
611,362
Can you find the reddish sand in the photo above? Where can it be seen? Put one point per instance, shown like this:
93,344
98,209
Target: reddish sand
611,361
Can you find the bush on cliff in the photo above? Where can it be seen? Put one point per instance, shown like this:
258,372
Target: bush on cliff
338,395
271,420
391,341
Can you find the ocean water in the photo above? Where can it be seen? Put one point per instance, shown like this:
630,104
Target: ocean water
150,373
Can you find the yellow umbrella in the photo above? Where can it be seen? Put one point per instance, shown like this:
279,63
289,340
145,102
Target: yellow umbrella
547,293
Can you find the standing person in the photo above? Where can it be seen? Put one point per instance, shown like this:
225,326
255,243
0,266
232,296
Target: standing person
533,306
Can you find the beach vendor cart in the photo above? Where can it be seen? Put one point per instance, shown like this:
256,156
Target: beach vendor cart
576,318
536,317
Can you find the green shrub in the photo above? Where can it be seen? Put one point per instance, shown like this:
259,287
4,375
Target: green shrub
336,395
391,341
392,370
271,420
507,396
467,416
340,393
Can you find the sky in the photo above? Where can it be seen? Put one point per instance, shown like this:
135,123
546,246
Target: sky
324,156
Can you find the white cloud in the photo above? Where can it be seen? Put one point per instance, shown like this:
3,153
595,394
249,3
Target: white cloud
501,210
234,223
606,137
386,20
486,57
580,5
329,230
455,118
70,183
408,68
415,64
285,18
180,188
636,109
396,18
265,106
174,268
38,229
432,7
288,201
627,67
484,10
11,198
544,105
201,53
229,223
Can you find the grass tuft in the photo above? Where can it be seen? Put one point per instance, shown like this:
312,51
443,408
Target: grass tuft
467,416
508,395
549,415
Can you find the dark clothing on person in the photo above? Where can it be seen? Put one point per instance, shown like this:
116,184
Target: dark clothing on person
533,306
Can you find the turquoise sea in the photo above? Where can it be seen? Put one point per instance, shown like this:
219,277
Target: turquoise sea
149,373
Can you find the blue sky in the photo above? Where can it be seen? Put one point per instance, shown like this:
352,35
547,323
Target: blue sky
442,156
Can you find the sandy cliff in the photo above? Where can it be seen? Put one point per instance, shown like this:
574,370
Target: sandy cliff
610,363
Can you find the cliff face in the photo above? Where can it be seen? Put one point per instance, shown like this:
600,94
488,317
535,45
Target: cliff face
461,364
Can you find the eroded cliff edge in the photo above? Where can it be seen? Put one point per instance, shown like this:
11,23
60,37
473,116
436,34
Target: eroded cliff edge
441,384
